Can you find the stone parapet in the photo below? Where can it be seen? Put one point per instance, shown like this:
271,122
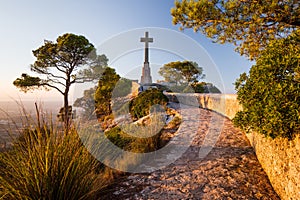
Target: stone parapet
225,104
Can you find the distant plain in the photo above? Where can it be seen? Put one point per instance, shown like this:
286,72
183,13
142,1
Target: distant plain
13,116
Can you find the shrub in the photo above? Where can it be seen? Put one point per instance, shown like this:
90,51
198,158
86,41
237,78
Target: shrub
47,164
270,94
118,138
141,105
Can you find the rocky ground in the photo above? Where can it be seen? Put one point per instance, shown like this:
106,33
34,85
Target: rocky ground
219,164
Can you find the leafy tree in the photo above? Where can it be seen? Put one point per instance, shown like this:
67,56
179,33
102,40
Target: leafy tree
170,74
104,91
87,102
248,24
181,72
60,63
270,93
96,69
107,92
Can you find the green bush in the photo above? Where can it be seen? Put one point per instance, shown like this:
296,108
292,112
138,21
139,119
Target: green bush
118,138
47,164
141,105
270,94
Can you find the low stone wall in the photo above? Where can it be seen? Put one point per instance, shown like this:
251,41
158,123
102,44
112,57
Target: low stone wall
278,157
225,104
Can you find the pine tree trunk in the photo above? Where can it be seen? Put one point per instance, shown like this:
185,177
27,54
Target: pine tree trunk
66,111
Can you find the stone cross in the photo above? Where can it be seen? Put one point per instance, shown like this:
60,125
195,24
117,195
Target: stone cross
147,40
146,73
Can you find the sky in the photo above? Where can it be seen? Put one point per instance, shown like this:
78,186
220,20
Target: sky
105,23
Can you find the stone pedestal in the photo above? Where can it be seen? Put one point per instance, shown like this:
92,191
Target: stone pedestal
146,74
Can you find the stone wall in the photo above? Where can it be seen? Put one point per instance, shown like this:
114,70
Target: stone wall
278,157
280,160
225,104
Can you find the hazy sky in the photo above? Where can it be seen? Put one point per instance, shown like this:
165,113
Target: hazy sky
25,25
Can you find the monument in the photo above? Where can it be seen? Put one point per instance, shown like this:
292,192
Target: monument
146,73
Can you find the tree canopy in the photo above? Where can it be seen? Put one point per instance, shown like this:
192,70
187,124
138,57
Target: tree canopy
270,93
248,24
61,64
181,72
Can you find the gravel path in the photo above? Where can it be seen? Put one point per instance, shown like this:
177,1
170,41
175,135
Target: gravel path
229,171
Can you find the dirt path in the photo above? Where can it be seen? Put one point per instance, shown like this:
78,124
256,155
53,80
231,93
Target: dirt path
229,171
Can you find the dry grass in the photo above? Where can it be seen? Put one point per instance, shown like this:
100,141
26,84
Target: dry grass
44,163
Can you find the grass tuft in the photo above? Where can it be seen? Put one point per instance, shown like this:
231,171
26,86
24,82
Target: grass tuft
44,163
